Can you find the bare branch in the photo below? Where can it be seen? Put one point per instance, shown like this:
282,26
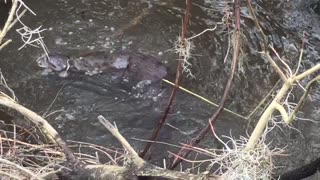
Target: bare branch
177,81
42,123
7,26
236,50
26,171
138,167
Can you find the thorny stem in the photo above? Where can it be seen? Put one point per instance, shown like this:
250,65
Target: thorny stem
184,152
177,82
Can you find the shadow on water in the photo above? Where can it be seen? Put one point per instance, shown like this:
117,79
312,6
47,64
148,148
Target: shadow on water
150,27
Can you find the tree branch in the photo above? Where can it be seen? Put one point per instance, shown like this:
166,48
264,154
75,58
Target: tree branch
177,82
137,167
50,132
236,49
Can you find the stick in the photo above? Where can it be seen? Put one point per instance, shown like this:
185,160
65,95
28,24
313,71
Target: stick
177,82
7,26
138,167
42,123
184,152
26,171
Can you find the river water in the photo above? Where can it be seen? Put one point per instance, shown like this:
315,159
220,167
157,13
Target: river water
72,104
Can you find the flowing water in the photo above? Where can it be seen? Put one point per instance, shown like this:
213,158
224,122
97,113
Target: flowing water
72,104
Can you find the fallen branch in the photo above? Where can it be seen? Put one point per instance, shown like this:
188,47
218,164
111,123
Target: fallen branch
136,165
23,169
49,131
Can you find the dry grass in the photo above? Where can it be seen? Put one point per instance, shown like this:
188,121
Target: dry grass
24,156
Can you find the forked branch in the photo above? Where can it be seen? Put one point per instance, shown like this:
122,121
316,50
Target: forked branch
289,82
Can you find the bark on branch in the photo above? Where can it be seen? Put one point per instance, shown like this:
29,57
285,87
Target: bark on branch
138,167
135,167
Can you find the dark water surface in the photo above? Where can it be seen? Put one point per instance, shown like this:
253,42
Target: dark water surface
152,27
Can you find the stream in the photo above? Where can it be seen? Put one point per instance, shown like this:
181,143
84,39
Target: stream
72,104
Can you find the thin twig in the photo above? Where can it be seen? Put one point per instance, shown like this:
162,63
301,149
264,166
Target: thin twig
45,126
177,82
303,97
6,27
53,101
206,30
265,42
139,167
117,135
301,53
28,172
11,176
184,152
5,44
263,100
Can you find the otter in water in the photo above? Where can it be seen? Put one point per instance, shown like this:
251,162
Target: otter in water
139,66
